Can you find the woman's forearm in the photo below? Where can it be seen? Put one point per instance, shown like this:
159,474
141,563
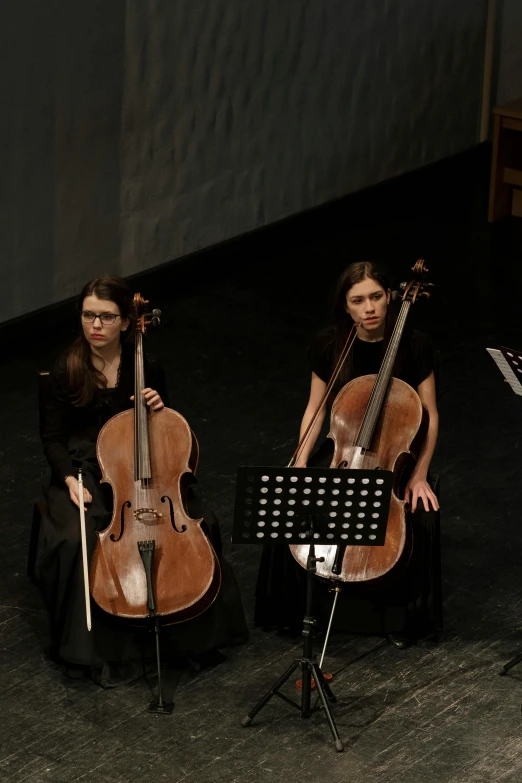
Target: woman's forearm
423,463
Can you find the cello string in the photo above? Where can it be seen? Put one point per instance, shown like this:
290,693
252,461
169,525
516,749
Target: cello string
137,497
143,424
377,395
407,300
140,424
381,383
137,408
375,401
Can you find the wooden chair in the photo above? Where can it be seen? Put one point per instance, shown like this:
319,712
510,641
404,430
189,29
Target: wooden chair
505,190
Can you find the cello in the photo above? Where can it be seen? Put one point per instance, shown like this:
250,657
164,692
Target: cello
377,421
153,560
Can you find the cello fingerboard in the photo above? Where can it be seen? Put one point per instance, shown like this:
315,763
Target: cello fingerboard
373,410
142,469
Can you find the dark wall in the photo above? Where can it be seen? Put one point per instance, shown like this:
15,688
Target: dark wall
88,104
141,131
27,119
59,143
510,57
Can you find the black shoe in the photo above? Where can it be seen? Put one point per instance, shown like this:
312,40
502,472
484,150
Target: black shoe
401,641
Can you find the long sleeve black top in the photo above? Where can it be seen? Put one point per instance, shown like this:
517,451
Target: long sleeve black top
62,421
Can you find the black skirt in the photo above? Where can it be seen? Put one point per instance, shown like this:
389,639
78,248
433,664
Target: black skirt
409,605
60,575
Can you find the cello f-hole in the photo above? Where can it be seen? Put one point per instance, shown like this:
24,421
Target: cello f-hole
114,538
172,516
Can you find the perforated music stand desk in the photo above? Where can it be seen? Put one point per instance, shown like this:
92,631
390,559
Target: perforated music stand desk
509,362
349,506
310,506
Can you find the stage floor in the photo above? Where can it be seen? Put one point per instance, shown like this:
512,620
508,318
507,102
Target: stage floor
237,323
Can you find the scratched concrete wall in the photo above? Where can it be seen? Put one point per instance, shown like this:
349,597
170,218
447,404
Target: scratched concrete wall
238,114
144,130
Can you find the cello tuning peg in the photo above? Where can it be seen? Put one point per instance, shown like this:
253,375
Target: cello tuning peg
426,294
155,317
403,285
395,295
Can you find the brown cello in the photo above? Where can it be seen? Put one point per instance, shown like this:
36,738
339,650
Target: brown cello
153,560
376,422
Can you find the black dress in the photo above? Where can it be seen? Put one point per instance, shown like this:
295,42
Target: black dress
410,605
69,434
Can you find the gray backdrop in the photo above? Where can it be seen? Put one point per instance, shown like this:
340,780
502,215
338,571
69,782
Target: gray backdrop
138,132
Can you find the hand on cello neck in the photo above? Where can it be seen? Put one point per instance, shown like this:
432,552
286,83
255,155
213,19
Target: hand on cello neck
152,399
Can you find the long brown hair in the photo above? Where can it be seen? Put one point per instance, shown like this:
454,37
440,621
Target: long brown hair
356,273
83,377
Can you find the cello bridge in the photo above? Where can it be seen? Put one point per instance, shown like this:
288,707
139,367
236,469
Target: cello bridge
147,514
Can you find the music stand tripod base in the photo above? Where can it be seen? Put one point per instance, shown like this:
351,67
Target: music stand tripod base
161,709
309,669
310,506
510,664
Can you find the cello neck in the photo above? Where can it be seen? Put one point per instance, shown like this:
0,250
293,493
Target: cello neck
373,409
142,468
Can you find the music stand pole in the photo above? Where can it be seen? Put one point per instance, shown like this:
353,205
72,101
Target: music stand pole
307,662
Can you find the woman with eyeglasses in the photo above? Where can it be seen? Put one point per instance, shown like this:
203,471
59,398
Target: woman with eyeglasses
90,383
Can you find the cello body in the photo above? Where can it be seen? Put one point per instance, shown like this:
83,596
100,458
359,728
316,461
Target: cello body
400,426
185,573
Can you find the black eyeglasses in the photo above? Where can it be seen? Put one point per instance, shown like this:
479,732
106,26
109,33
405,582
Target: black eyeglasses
105,318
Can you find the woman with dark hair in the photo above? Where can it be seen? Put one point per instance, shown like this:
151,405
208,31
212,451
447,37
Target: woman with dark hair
90,383
410,606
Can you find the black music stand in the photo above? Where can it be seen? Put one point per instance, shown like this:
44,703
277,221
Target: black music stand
316,506
509,362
